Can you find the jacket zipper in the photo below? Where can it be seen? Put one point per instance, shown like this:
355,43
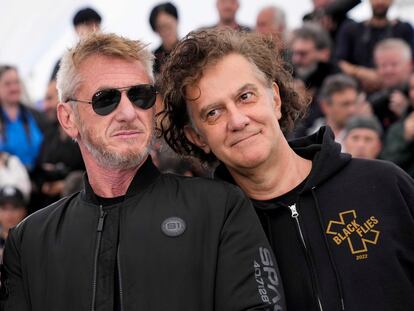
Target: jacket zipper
121,298
295,215
98,246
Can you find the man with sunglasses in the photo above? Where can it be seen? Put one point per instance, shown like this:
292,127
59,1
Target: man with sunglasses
341,228
133,239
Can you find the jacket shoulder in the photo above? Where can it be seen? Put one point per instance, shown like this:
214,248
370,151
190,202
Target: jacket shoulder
379,169
41,216
212,194
374,164
202,184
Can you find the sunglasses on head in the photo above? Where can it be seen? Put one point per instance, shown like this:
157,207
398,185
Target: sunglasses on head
105,101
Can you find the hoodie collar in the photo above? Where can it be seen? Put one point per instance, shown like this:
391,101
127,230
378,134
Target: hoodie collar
320,148
144,177
325,154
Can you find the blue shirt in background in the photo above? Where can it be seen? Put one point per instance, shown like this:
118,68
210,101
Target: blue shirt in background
17,142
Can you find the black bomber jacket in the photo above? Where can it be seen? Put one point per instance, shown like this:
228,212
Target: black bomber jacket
183,244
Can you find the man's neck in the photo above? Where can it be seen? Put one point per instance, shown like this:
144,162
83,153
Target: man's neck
108,182
169,46
279,175
378,22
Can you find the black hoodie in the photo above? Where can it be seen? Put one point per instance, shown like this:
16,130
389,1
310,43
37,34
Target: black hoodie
346,241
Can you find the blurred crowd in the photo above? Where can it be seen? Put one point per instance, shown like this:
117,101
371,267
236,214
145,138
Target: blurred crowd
358,77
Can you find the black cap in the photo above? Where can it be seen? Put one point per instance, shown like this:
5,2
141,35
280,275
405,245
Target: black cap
86,16
370,123
11,194
166,7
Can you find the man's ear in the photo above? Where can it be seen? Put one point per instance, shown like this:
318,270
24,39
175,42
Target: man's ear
196,138
67,120
277,100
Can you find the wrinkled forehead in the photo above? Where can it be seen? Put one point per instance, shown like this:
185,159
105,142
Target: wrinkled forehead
388,55
110,65
10,73
232,62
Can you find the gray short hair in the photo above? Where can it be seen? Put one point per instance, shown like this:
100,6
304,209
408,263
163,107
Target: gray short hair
394,44
315,33
68,77
336,83
362,122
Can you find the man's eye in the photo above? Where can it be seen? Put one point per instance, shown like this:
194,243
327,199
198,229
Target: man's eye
246,96
212,113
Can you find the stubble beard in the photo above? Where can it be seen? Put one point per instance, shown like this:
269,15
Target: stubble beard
112,159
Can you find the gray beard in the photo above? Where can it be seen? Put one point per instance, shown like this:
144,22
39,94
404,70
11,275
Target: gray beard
117,161
305,72
112,159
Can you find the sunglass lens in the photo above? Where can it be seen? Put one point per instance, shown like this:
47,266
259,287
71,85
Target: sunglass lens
143,96
106,101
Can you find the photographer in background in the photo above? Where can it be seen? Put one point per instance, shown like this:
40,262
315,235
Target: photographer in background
393,65
356,41
59,156
399,142
331,14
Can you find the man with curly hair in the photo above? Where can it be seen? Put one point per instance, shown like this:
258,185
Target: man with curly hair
341,228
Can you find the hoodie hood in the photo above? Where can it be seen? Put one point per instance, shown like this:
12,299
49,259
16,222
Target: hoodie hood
320,148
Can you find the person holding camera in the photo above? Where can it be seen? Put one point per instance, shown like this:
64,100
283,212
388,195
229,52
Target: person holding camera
58,157
399,142
393,63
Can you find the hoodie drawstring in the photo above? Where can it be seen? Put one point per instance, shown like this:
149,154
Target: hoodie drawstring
331,259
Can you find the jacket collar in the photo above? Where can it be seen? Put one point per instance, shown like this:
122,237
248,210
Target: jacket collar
144,177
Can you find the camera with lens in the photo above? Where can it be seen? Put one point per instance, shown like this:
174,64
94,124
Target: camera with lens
380,104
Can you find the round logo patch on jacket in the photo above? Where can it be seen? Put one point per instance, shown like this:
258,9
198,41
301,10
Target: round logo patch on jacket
173,226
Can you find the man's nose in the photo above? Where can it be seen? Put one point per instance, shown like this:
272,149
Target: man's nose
238,120
126,109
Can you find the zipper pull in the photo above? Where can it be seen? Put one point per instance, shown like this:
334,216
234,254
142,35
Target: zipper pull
294,211
101,219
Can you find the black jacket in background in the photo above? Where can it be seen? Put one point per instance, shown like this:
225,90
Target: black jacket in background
356,41
337,10
221,261
357,221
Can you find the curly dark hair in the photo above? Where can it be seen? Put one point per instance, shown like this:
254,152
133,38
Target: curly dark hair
201,49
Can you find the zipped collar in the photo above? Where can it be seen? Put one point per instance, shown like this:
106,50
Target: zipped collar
144,177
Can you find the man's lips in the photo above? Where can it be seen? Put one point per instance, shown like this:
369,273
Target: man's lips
243,138
127,133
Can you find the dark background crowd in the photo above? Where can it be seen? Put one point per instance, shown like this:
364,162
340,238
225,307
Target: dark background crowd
358,74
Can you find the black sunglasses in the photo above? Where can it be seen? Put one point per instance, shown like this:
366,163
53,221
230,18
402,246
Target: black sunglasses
105,101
